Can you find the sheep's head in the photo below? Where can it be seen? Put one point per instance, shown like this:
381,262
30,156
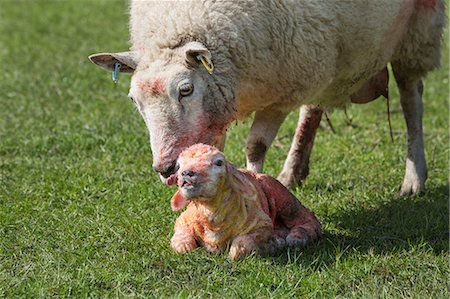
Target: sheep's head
181,101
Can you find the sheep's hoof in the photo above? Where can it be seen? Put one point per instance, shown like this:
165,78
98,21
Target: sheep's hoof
288,180
412,185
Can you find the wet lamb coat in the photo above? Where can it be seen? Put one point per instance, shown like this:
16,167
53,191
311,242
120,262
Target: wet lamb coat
227,206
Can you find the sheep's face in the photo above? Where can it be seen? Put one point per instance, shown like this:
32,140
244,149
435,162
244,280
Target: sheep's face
202,172
181,102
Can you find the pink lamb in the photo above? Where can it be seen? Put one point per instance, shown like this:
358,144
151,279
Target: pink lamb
243,209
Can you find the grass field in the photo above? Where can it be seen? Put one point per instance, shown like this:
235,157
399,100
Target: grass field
83,215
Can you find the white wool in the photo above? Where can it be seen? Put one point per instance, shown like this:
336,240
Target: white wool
289,53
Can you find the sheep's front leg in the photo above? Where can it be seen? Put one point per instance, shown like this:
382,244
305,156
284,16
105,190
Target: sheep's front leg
296,167
264,129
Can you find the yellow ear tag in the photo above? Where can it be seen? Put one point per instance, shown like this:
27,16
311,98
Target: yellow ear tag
208,67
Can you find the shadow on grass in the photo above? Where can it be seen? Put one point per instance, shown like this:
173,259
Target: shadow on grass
395,225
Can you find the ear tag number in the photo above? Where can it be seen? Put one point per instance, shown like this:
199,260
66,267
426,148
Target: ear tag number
115,73
208,67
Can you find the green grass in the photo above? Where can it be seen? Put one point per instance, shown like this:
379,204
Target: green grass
83,215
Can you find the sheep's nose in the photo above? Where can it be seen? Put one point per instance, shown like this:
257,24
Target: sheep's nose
165,170
188,173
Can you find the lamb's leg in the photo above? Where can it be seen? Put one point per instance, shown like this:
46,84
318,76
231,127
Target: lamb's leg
411,100
296,167
264,129
244,245
302,223
276,242
183,242
183,239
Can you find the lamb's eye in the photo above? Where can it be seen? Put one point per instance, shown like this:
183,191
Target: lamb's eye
185,89
219,163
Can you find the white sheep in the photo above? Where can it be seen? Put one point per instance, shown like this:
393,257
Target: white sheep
199,65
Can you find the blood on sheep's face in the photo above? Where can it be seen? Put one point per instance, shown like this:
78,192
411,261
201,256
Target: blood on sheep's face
156,86
171,99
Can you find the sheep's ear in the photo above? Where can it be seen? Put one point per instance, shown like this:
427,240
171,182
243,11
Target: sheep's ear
178,201
196,53
127,60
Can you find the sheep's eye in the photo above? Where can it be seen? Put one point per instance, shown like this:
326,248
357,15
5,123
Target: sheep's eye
219,163
186,89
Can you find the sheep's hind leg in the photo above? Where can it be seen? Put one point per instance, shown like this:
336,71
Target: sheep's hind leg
411,100
264,129
296,167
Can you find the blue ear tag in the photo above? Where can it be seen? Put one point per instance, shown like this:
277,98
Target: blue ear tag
115,73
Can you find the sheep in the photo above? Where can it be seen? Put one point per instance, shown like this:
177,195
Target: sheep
250,211
200,65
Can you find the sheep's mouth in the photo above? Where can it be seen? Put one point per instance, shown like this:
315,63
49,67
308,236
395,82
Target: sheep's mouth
170,176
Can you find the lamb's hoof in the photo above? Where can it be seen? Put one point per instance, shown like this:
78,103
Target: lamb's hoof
412,186
273,246
183,244
298,237
238,252
213,248
295,242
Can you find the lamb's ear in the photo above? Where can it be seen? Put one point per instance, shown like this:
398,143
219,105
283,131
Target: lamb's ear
128,60
178,201
240,183
196,53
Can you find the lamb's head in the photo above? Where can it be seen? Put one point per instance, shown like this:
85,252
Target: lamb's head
181,101
202,175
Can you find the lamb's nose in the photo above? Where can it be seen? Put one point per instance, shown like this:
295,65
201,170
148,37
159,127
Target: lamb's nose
188,173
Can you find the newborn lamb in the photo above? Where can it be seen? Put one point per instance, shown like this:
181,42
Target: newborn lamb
249,211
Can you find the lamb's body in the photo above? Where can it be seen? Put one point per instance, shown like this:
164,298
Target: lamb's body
247,210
